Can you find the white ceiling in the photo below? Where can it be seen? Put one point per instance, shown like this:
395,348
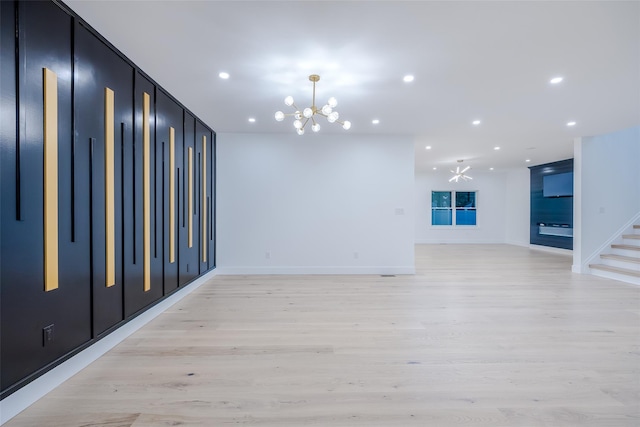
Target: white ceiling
483,60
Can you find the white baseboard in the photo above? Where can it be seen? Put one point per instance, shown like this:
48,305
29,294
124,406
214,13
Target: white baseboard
409,269
17,402
522,244
457,242
551,249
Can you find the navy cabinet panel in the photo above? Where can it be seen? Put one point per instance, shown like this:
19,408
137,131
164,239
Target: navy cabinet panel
45,42
97,68
188,258
203,156
169,115
136,298
212,203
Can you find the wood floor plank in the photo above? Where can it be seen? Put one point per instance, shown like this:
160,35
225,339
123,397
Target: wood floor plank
481,335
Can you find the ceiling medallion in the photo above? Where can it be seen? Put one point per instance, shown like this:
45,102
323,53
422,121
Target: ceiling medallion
459,174
310,113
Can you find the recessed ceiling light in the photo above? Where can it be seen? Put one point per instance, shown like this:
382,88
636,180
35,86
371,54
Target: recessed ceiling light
528,160
375,121
556,80
490,169
435,168
252,120
571,124
496,148
476,122
408,78
428,147
223,75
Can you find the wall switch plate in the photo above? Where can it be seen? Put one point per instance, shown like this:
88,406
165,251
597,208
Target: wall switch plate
48,335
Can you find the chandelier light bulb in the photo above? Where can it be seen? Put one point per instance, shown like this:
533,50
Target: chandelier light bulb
346,125
307,112
279,116
326,110
297,124
298,115
332,102
300,131
288,101
315,127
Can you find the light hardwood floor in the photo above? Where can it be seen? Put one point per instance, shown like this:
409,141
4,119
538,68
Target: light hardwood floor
482,335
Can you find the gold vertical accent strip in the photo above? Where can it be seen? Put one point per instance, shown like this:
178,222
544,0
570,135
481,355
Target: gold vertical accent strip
109,184
203,203
190,219
146,193
50,86
172,196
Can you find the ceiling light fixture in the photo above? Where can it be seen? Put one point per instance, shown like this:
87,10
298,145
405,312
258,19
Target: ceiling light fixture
375,121
476,122
528,160
428,147
571,124
252,120
408,78
310,113
459,174
223,75
496,148
556,80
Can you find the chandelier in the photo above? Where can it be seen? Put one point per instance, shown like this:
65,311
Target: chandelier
459,174
302,117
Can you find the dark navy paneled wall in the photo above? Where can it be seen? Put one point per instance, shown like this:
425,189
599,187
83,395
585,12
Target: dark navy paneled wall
46,34
554,212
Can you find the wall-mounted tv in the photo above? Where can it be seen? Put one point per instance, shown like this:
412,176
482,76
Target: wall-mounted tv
558,185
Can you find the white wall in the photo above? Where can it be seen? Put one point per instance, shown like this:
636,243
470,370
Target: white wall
491,208
314,204
607,173
518,207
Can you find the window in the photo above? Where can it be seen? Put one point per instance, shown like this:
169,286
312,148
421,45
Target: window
442,208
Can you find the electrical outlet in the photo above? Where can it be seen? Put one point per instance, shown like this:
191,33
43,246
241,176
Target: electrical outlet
48,335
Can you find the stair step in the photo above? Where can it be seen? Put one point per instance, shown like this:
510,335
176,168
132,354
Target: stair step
627,247
631,236
617,270
621,258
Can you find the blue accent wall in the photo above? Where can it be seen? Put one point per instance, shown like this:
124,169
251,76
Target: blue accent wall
553,214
